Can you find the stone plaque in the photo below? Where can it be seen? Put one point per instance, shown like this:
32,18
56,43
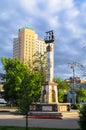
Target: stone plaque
46,108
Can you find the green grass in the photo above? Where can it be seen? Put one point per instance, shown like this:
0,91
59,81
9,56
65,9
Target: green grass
23,128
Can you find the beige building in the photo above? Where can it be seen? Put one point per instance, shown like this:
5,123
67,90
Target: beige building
77,81
1,84
27,44
15,48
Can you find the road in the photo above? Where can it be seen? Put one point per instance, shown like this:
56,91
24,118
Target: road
7,119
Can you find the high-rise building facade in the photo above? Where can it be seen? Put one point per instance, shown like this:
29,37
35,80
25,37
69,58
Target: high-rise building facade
27,44
15,48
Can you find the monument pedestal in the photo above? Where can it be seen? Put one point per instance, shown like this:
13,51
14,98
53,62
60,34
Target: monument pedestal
49,93
50,107
48,110
49,100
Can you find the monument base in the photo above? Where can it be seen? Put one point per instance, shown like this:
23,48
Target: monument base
48,111
45,115
50,107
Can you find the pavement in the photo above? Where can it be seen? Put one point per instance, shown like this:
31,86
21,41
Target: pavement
9,118
9,114
12,114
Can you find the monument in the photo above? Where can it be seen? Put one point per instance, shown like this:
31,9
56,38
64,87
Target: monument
49,92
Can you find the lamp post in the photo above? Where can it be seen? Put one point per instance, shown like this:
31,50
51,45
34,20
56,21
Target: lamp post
26,115
26,104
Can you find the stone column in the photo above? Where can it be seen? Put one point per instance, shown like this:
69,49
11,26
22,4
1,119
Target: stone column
50,62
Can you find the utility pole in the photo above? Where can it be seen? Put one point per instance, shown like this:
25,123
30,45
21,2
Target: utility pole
73,67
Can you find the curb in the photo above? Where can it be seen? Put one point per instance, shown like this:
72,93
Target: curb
44,117
4,111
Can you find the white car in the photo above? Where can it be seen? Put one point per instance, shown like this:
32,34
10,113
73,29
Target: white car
2,102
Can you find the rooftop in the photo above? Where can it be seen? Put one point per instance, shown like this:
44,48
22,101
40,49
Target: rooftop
26,27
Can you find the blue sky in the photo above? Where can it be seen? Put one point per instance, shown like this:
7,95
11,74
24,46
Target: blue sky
66,17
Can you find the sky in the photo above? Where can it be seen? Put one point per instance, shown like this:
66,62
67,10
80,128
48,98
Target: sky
67,18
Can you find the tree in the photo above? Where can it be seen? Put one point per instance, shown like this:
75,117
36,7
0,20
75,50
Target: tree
39,65
13,77
81,94
82,118
21,84
63,89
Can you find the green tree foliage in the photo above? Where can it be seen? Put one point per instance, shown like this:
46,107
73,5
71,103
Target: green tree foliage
22,85
81,94
63,89
31,89
14,70
39,64
82,118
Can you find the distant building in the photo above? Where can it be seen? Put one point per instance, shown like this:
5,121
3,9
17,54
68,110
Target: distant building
27,44
76,83
1,84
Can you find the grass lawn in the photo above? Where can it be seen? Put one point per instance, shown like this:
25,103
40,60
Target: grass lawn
23,128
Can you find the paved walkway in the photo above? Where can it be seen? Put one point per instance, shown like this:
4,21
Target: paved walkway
9,119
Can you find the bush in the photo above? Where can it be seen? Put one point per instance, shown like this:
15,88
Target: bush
76,106
82,118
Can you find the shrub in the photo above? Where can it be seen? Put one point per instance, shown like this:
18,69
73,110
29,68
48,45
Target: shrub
76,106
82,118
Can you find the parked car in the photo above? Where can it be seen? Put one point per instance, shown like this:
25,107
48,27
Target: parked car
2,102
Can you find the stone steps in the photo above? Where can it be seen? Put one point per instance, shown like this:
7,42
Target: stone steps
61,115
45,115
71,114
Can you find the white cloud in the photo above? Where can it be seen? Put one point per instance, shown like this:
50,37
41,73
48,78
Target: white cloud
4,16
59,5
29,6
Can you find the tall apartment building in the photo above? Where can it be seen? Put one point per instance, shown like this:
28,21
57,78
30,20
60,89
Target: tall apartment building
27,44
